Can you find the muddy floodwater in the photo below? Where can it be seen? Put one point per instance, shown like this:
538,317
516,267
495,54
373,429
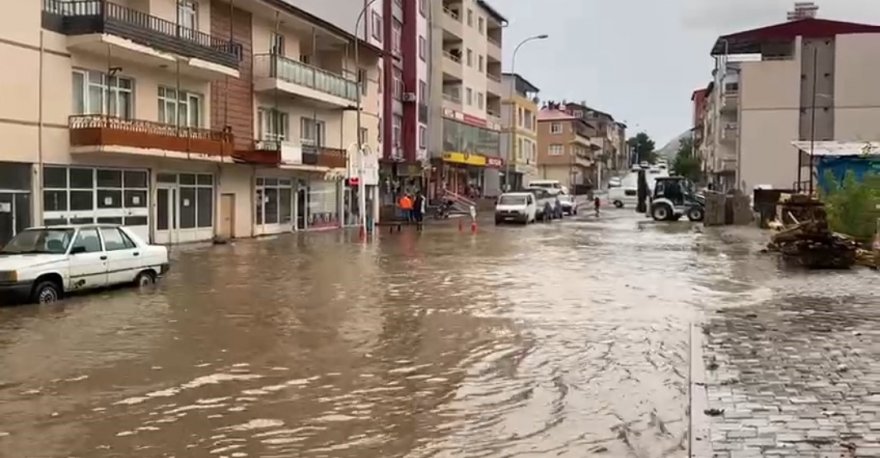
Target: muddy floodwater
568,339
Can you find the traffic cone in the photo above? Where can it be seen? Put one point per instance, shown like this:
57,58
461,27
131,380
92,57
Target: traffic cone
460,227
362,232
474,227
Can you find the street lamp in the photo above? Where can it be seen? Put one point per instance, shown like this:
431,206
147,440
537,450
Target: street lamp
362,196
511,148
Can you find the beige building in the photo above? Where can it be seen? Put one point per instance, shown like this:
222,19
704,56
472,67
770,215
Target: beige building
611,153
466,75
804,79
519,139
565,148
184,120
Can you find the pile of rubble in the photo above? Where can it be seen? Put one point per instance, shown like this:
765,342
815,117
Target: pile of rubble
813,245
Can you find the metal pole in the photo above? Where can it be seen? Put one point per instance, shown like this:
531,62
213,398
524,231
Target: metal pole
362,197
812,118
511,149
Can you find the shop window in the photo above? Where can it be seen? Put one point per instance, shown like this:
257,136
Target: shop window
55,177
82,200
187,207
54,201
205,206
109,198
82,178
109,178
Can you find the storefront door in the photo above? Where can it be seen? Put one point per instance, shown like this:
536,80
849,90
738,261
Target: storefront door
166,212
15,214
185,206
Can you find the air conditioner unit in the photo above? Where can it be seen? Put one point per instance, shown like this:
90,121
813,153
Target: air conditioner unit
409,97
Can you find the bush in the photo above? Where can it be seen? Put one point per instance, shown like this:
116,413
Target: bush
852,205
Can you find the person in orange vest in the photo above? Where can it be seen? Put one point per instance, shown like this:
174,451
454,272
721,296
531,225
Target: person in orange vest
406,206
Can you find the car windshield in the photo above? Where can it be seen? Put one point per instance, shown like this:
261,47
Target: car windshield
512,200
54,241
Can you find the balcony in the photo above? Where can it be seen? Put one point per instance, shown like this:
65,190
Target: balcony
311,84
730,98
452,70
279,153
493,48
493,85
108,134
452,26
96,26
730,132
452,99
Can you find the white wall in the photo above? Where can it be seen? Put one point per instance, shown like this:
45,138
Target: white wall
769,121
857,87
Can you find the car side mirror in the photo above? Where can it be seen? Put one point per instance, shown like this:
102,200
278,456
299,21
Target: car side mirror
78,250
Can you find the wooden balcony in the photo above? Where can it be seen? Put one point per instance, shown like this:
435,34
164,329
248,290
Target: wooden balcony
274,153
110,133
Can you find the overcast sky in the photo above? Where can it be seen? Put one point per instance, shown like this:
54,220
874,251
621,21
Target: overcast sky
639,59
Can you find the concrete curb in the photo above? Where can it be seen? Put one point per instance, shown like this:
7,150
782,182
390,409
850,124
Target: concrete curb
699,428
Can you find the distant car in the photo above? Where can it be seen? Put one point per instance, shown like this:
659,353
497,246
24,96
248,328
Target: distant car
42,264
515,207
569,206
614,182
644,164
623,196
554,186
547,204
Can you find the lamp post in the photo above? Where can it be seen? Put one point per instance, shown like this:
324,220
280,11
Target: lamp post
511,149
362,196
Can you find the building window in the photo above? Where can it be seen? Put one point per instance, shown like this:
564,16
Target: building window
423,91
364,137
362,80
312,132
530,120
470,58
185,109
423,134
556,128
469,96
273,125
377,26
96,93
397,84
396,35
395,130
423,8
423,48
480,25
480,100
556,150
481,63
276,45
188,14
470,18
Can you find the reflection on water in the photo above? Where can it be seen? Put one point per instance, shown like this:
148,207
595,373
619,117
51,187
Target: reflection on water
553,340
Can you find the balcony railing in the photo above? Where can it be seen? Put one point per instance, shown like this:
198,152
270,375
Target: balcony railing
83,17
452,57
451,13
494,78
454,98
296,72
494,41
102,130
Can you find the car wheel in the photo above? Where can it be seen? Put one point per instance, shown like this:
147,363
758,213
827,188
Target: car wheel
661,212
695,214
145,278
46,292
618,204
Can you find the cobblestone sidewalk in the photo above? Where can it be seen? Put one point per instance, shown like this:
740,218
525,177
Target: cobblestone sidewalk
800,378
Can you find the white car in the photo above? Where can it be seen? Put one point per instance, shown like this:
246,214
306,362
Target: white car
519,207
625,196
569,206
43,263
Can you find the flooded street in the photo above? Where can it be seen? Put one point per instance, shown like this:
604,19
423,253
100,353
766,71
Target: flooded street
568,339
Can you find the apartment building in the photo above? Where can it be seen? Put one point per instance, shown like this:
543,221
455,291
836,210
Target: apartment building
464,144
184,120
565,147
799,80
519,139
612,153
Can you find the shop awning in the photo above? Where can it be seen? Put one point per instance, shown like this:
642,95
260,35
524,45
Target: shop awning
834,148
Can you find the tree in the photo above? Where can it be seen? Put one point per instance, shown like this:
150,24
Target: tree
687,164
852,204
644,147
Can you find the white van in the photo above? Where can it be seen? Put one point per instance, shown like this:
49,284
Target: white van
624,196
554,186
